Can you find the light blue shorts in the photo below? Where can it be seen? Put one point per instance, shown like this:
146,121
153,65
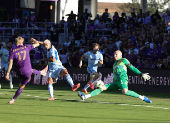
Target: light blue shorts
91,71
55,73
4,65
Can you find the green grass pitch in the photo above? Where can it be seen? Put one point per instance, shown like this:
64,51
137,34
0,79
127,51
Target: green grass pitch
108,107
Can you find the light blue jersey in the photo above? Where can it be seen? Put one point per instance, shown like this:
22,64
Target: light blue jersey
93,61
56,66
53,53
5,55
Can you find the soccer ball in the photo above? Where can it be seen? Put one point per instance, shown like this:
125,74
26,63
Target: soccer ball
99,84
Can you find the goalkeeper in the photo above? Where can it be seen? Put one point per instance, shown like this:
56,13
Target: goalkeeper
120,79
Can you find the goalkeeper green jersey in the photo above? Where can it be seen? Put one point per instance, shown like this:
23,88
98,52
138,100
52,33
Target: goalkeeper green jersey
120,69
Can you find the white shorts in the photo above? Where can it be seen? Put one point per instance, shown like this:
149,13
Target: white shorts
55,73
4,66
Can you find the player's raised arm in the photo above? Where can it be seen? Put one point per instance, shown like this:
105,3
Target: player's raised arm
35,42
135,70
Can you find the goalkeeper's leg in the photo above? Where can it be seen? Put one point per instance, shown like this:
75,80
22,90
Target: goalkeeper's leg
134,94
95,92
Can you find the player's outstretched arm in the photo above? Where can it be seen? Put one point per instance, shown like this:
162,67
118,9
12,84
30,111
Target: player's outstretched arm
135,70
35,42
81,59
9,69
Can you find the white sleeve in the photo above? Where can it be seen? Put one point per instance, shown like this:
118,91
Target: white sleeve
101,57
87,54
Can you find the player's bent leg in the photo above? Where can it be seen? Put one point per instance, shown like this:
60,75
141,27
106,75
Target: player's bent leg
17,93
50,88
44,71
34,71
96,76
88,84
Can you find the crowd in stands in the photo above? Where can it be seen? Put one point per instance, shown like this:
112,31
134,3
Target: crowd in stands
144,39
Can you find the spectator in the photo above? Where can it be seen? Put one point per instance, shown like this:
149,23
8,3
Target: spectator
22,22
166,16
139,64
67,43
147,63
115,16
164,51
164,64
154,17
105,16
38,56
77,36
118,42
63,57
71,16
86,15
96,20
54,34
132,57
112,47
147,18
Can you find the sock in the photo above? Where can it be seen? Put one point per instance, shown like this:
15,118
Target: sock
141,97
50,88
86,86
93,80
36,71
87,96
10,79
69,80
95,92
132,93
17,93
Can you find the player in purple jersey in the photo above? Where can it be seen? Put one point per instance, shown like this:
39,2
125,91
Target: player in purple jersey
19,56
34,71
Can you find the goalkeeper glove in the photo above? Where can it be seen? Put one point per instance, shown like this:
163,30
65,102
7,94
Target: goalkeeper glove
146,76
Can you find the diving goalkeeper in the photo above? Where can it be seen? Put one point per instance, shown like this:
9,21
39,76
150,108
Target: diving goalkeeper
120,79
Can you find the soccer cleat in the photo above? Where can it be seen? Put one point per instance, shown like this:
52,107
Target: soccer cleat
85,91
75,87
81,95
11,86
147,100
44,71
91,86
51,99
11,102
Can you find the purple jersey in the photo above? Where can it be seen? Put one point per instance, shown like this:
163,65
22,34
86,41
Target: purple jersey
21,59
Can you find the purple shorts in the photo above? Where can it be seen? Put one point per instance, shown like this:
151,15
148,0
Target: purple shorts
25,78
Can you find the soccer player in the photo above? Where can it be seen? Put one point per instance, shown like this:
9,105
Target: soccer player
4,60
120,79
94,59
34,71
19,57
56,68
